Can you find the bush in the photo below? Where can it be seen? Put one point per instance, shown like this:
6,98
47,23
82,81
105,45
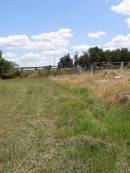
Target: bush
10,75
7,70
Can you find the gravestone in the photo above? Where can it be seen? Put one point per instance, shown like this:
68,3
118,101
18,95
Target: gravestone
122,67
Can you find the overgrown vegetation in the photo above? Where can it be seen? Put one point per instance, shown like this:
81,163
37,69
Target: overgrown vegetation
50,127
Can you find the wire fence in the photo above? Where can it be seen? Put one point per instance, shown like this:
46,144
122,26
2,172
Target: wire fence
86,67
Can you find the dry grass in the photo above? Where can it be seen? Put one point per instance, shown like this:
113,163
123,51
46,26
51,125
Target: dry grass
111,87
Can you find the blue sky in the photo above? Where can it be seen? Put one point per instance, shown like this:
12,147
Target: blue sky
35,32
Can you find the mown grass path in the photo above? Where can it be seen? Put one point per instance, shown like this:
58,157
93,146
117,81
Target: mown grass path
46,127
27,124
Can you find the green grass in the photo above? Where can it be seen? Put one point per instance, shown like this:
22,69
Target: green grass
46,127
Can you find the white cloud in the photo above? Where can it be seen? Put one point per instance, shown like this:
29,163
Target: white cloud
32,59
128,22
16,41
108,48
81,48
48,45
59,35
55,52
120,41
97,34
122,8
41,58
46,41
9,55
53,40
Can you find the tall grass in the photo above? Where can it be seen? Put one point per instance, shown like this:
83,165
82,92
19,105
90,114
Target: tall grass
94,136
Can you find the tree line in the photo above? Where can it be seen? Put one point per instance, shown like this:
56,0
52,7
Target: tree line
95,55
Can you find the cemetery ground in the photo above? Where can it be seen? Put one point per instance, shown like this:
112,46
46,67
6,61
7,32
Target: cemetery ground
65,124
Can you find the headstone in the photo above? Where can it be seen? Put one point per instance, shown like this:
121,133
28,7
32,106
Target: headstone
79,69
122,67
92,69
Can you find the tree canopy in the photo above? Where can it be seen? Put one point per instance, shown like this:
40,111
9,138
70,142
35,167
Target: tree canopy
5,65
66,61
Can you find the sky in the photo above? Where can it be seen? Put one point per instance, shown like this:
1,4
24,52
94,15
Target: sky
39,32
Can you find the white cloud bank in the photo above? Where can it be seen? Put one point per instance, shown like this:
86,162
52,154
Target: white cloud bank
42,58
36,59
46,41
59,35
128,22
33,59
120,41
15,41
97,34
48,45
81,48
122,8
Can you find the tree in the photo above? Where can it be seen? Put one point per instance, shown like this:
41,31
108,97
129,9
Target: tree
5,66
83,60
125,55
97,54
66,61
108,55
76,59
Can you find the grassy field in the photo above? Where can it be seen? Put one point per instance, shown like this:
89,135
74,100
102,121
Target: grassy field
52,127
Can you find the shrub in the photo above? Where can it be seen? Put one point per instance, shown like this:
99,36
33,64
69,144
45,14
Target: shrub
7,70
10,75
